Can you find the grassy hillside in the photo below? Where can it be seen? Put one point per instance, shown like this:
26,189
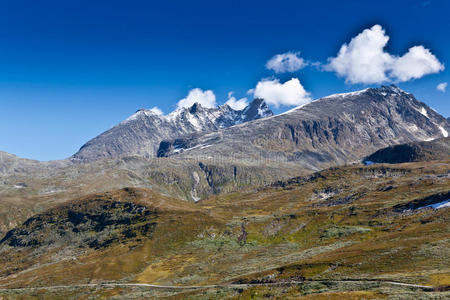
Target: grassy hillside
343,232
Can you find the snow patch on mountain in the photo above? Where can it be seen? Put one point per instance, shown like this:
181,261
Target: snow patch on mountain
444,132
422,111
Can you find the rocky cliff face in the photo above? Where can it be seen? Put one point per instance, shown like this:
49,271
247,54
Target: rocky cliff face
142,132
333,130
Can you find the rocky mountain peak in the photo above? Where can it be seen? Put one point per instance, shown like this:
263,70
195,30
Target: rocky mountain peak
257,109
195,107
381,92
391,89
388,91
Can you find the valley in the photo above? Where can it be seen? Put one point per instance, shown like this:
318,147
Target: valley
344,224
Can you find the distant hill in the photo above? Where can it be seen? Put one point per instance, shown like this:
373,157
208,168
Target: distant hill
438,149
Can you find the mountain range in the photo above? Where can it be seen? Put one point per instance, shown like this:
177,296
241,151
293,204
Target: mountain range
195,152
338,128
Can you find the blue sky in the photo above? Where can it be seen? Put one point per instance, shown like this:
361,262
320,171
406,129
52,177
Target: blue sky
70,70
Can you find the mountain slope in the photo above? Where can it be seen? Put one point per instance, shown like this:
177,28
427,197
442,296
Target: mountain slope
142,132
334,130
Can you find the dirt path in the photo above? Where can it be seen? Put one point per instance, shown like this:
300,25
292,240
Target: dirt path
212,286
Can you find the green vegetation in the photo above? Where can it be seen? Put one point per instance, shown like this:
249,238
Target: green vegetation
342,233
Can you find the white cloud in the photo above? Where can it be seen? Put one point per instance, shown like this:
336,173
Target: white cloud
286,62
236,104
442,86
416,63
275,93
364,60
157,111
205,98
